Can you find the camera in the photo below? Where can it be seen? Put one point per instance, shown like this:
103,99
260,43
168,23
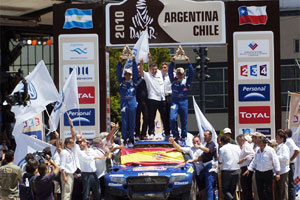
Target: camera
19,98
41,156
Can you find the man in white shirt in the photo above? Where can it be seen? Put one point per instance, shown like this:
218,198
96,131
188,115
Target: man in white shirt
294,151
264,163
246,156
156,97
283,152
229,158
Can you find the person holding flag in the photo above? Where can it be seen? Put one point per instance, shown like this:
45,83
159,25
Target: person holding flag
180,88
128,99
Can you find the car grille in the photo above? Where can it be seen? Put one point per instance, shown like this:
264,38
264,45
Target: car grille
147,184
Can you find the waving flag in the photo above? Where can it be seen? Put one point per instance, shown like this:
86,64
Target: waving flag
151,156
141,48
76,18
203,123
69,100
27,144
41,90
253,15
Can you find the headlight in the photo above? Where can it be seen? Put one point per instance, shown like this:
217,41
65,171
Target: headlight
118,179
176,178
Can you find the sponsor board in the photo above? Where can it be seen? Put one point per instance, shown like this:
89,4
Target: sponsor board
32,122
35,134
85,72
85,117
86,95
254,92
87,134
78,51
254,115
265,131
253,48
253,70
203,22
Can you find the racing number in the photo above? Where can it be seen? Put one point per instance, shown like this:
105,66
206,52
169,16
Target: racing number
253,70
119,28
263,70
244,70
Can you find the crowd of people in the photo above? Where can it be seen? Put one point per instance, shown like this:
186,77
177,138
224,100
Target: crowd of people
165,90
262,168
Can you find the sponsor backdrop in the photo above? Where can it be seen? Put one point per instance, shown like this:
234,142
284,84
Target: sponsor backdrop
80,52
253,66
79,39
254,103
202,22
34,127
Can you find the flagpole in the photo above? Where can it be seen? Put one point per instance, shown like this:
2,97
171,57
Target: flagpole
49,117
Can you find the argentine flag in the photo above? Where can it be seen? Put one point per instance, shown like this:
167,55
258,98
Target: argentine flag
76,18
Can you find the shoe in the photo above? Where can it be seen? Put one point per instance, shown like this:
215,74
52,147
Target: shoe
130,144
125,144
151,136
182,142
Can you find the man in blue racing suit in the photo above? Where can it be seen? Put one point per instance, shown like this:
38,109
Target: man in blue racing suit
127,85
180,88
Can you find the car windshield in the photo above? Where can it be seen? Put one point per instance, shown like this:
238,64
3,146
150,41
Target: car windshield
151,156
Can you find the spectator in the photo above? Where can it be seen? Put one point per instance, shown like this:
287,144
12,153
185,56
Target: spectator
227,131
24,186
264,162
128,100
209,153
294,151
10,176
247,154
228,158
43,185
180,88
283,152
142,108
3,148
156,97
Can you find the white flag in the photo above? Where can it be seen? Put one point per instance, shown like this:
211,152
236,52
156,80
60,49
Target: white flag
42,91
141,48
69,100
27,144
203,123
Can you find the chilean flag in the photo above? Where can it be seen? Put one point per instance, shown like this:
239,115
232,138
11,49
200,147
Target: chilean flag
253,15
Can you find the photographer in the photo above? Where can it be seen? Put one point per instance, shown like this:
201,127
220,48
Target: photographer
42,185
24,186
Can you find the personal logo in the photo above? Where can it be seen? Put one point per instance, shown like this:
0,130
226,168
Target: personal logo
254,115
86,95
254,92
253,45
83,117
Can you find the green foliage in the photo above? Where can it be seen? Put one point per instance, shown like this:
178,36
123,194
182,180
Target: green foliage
159,55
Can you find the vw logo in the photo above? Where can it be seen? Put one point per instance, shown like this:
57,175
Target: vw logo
58,104
31,91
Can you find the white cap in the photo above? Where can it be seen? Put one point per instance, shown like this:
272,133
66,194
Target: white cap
180,70
103,135
257,134
227,130
128,70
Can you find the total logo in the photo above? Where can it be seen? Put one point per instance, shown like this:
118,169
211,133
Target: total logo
86,95
254,92
85,117
253,70
254,115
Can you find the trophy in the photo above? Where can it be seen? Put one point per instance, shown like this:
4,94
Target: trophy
180,54
126,53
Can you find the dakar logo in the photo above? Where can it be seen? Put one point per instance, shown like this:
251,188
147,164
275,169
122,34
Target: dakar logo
141,20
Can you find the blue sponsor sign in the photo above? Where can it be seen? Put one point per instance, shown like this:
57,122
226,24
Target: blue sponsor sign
265,131
86,117
35,134
254,92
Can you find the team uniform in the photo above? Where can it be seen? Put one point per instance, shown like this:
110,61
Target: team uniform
128,101
179,100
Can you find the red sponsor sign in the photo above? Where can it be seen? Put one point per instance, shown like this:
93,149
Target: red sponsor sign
254,115
86,95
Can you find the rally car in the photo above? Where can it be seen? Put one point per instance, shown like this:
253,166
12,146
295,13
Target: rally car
151,170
